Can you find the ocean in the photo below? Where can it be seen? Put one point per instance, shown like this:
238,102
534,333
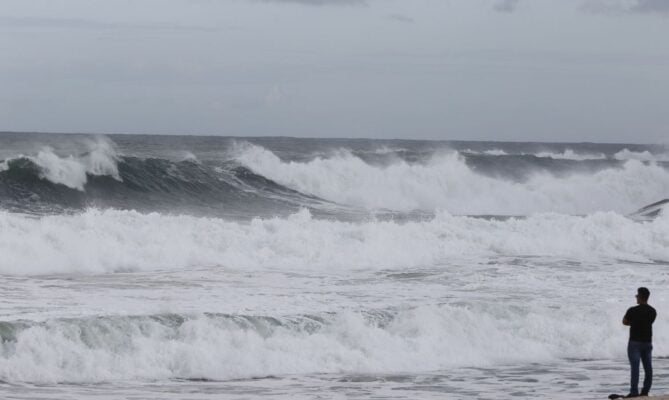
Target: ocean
190,267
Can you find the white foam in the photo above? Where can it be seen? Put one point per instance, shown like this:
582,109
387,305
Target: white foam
427,338
491,152
446,183
495,152
106,241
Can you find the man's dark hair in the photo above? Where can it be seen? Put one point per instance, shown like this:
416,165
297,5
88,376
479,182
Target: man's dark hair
643,293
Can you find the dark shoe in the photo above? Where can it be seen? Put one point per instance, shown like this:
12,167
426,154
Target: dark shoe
629,396
643,394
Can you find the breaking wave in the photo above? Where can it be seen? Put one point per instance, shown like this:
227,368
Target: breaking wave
447,182
108,241
220,347
48,182
71,171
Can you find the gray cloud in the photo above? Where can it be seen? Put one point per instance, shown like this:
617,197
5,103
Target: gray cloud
31,22
312,68
621,7
75,23
601,7
506,5
401,18
648,6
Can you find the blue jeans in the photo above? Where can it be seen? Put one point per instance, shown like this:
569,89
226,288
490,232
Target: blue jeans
640,351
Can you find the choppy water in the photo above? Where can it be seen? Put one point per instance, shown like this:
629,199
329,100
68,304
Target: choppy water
189,267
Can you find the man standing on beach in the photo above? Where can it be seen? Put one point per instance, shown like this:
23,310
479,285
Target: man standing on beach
640,347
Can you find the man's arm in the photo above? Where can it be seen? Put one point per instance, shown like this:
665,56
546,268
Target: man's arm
626,321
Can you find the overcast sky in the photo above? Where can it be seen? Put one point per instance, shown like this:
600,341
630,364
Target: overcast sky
539,70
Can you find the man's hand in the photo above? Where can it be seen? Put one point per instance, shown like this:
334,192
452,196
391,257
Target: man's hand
626,322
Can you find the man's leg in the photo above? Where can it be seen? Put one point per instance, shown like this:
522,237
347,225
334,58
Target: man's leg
646,357
634,355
